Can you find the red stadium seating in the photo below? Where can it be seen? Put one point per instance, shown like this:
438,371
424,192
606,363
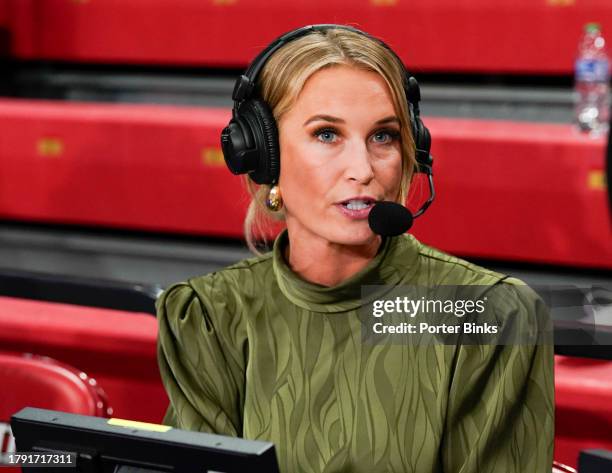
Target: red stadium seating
116,348
510,191
506,36
28,380
38,381
583,406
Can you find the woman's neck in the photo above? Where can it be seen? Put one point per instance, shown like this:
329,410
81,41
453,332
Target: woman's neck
320,261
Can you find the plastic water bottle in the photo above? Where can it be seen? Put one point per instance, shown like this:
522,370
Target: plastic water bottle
592,82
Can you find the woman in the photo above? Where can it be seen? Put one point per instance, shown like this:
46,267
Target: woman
270,348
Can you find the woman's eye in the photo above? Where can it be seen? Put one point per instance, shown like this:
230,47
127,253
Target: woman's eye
325,135
388,136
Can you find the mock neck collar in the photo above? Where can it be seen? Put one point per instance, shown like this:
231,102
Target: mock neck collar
394,263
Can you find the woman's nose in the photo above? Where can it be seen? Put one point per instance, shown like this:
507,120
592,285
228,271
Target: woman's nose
359,162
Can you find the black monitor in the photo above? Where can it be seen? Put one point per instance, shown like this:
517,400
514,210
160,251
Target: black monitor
595,461
119,446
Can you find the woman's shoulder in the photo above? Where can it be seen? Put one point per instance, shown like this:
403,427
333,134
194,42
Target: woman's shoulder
244,275
220,290
506,292
444,268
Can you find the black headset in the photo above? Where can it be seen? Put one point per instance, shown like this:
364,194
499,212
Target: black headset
250,140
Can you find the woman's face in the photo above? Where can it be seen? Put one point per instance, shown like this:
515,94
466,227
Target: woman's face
339,142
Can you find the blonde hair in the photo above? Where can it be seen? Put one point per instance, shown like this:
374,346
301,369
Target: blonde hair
282,79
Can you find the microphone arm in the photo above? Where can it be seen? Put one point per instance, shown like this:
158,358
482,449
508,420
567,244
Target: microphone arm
432,191
432,196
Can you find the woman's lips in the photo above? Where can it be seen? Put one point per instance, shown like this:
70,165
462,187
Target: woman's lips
355,214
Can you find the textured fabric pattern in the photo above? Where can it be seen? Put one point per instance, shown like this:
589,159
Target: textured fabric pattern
257,352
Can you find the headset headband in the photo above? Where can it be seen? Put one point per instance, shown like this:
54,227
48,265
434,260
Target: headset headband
246,83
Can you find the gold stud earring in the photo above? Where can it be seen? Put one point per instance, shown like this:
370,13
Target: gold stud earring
274,201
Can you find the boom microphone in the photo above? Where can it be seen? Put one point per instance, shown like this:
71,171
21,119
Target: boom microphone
390,219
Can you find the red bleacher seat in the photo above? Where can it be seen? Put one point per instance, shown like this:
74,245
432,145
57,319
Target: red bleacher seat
40,381
28,380
583,400
116,348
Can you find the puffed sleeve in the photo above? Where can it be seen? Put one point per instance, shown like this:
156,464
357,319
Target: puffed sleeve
500,413
198,365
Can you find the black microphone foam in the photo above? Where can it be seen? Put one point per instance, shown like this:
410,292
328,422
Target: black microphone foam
390,219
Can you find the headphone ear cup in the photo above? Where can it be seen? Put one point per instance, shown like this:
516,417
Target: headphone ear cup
260,119
238,147
422,140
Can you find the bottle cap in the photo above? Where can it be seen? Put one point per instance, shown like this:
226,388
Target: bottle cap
592,27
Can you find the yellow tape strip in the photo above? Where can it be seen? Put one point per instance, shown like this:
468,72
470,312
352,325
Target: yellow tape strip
213,157
596,180
561,3
50,147
384,3
132,424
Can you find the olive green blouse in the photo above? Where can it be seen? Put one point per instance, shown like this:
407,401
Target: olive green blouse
255,351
